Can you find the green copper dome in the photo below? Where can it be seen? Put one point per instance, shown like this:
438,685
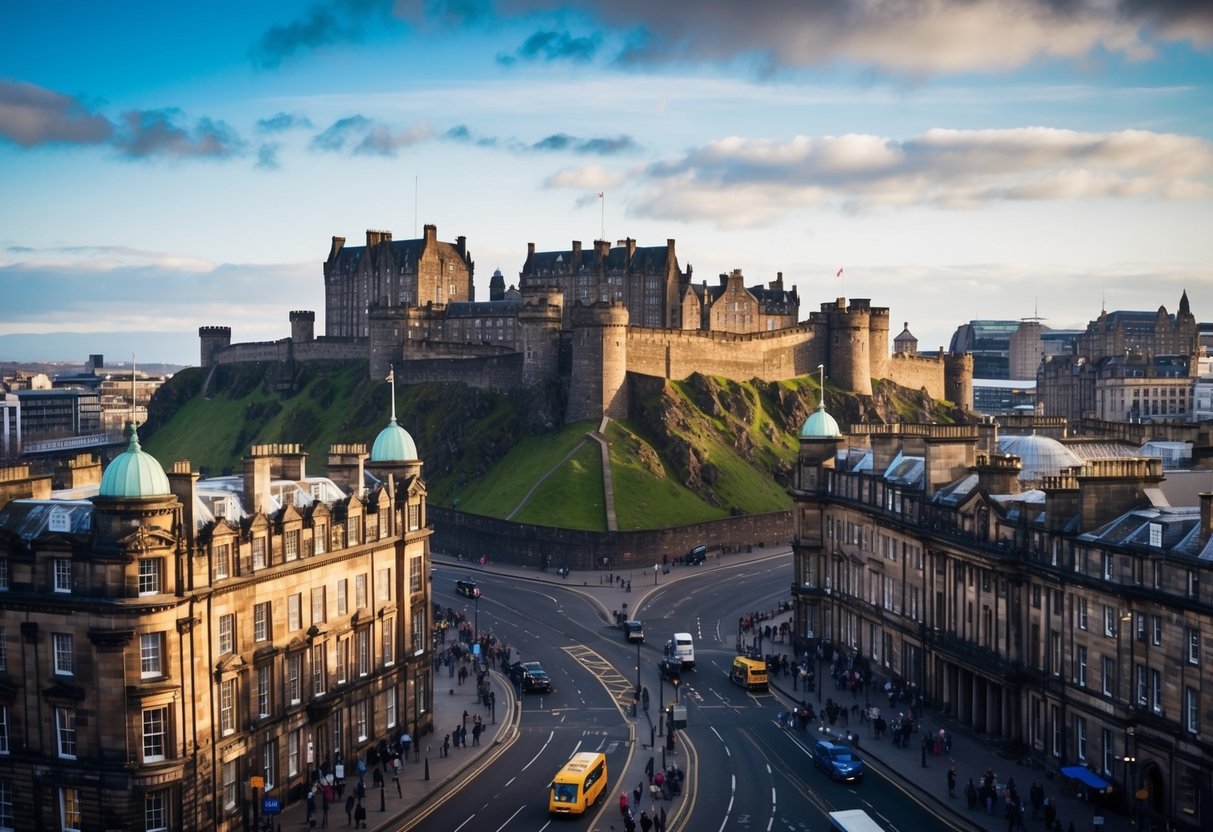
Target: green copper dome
393,444
820,425
134,473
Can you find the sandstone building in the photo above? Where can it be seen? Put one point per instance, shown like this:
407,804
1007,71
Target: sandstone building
165,639
1054,602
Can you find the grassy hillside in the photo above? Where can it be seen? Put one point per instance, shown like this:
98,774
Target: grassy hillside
695,450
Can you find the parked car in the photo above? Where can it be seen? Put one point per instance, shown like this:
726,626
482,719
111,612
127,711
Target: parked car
467,589
696,556
531,676
633,631
837,760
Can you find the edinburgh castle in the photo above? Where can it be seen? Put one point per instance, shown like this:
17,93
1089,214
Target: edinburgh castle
585,318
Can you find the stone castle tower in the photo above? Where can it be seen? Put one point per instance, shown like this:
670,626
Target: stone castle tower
212,339
303,326
598,384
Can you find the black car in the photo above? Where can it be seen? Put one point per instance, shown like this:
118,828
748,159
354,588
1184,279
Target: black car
696,556
531,677
670,667
633,631
467,589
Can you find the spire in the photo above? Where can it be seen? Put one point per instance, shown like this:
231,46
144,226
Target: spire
391,379
1183,304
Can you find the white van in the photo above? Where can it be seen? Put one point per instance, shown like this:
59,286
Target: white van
681,647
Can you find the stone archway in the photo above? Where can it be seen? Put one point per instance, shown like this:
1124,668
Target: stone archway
1151,780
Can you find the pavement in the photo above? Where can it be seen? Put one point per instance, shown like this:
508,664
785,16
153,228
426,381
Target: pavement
428,772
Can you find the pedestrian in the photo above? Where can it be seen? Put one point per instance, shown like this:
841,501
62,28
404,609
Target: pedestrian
971,795
952,779
311,807
648,770
636,794
1050,812
324,810
925,742
1036,794
360,816
349,810
446,745
623,804
646,822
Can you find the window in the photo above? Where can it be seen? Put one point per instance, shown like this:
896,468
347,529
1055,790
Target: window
259,561
319,673
3,573
229,785
227,634
389,642
1140,623
1108,678
353,530
383,585
343,660
1192,710
389,707
269,763
3,649
318,605
418,644
1193,583
155,726
294,612
1082,613
155,811
294,678
1140,673
1156,621
223,557
3,729
1109,622
362,720
63,575
290,545
1156,691
342,601
415,574
363,645
1107,752
69,809
319,536
360,591
149,576
261,621
1082,667
263,691
63,654
1193,645
1080,737
227,707
292,752
1106,559
151,655
65,732
6,806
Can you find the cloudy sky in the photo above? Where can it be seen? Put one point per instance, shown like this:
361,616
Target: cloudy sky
169,165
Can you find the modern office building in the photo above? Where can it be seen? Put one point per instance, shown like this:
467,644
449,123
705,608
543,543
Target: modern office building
1056,603
173,648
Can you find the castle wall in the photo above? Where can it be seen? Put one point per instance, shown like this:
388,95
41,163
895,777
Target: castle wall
518,543
676,354
497,373
322,349
920,372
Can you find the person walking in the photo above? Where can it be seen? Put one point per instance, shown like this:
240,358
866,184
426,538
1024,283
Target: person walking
349,810
925,742
952,779
360,816
646,823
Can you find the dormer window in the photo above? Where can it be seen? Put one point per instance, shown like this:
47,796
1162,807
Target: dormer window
1156,535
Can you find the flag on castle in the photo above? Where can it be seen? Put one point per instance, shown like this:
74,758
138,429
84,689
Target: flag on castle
839,273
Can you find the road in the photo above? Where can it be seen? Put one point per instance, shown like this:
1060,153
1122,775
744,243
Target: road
748,773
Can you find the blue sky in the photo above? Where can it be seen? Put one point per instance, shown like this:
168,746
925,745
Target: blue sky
169,165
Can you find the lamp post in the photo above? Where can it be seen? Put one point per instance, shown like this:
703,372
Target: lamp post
638,671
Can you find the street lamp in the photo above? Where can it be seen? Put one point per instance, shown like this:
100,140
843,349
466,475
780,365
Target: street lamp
638,670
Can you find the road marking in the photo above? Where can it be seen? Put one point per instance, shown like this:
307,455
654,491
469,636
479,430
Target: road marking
510,818
541,750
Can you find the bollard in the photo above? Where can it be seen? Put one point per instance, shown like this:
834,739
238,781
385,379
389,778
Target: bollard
427,767
382,798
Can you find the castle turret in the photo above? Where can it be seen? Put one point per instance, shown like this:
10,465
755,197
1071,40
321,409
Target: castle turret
497,286
539,328
850,341
213,339
958,379
599,374
878,342
303,326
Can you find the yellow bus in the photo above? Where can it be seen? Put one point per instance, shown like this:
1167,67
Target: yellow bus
751,674
578,785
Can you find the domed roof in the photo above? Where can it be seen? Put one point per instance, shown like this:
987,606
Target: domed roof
134,473
1040,456
820,425
393,444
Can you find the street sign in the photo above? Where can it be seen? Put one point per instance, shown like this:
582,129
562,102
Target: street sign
271,806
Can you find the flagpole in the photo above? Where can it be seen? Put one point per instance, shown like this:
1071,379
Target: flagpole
602,215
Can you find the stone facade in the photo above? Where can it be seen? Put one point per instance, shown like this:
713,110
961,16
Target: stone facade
157,652
1073,623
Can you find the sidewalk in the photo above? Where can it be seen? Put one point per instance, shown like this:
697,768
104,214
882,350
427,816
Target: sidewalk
926,775
426,771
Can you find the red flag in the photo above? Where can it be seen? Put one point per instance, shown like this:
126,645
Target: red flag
839,273
601,195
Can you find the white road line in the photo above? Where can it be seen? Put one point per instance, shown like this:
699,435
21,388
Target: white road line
508,782
541,750
465,823
510,818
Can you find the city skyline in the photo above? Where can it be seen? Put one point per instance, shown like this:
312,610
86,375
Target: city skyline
956,161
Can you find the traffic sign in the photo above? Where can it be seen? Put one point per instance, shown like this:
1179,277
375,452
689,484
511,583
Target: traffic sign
271,806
